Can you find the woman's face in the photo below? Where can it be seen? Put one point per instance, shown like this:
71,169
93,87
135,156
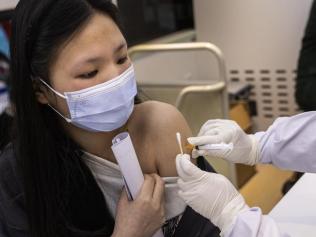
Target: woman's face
96,54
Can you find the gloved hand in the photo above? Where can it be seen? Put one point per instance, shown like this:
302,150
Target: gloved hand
211,195
245,147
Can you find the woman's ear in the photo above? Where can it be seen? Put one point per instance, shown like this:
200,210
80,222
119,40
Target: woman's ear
40,91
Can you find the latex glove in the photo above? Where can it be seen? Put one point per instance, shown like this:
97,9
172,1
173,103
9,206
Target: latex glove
211,195
245,147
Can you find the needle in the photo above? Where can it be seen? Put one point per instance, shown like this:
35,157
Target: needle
179,141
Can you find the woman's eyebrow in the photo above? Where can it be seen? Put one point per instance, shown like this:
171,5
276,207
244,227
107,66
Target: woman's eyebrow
98,58
80,63
120,47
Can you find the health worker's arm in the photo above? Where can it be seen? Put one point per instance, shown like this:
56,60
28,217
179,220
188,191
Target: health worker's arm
290,143
214,197
252,223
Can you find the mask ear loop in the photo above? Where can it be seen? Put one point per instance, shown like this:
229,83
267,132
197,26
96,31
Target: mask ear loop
57,93
67,119
52,89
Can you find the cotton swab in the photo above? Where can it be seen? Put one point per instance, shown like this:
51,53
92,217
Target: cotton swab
178,135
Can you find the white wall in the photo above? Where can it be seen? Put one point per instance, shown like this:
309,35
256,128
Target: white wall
256,33
7,4
262,37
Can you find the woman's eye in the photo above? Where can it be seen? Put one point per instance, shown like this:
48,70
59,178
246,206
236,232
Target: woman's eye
122,60
89,74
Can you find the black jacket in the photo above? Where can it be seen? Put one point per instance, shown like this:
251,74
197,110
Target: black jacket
13,219
306,72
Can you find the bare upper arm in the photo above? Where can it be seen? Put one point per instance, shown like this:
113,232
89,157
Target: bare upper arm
165,122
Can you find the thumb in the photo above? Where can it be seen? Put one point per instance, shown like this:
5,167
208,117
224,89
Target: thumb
187,170
178,163
196,153
123,201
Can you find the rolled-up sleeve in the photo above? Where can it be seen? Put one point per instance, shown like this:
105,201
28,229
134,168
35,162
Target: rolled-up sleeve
252,223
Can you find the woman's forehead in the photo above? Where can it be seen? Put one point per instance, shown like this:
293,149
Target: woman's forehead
100,37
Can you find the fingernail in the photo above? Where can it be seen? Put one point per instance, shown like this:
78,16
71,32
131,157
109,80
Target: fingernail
195,154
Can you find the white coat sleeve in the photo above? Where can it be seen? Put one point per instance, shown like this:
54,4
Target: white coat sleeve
252,223
290,143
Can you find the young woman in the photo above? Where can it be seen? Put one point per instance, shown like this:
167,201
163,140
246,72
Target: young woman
73,90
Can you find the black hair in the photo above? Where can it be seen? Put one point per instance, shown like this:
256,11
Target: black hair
49,161
5,128
5,117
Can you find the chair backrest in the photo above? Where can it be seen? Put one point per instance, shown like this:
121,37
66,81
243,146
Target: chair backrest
198,99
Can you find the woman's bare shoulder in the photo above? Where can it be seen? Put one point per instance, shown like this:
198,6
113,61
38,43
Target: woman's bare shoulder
161,122
161,118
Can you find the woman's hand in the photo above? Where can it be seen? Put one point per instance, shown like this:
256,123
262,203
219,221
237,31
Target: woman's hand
143,216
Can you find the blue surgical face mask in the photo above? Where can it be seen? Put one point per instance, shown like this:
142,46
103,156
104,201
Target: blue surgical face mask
104,107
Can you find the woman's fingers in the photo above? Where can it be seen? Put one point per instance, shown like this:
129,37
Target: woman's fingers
147,189
145,212
123,197
158,194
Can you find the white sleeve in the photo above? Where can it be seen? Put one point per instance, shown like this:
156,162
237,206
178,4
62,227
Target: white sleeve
252,223
290,143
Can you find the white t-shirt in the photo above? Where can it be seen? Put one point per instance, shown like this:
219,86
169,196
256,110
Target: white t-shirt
109,178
